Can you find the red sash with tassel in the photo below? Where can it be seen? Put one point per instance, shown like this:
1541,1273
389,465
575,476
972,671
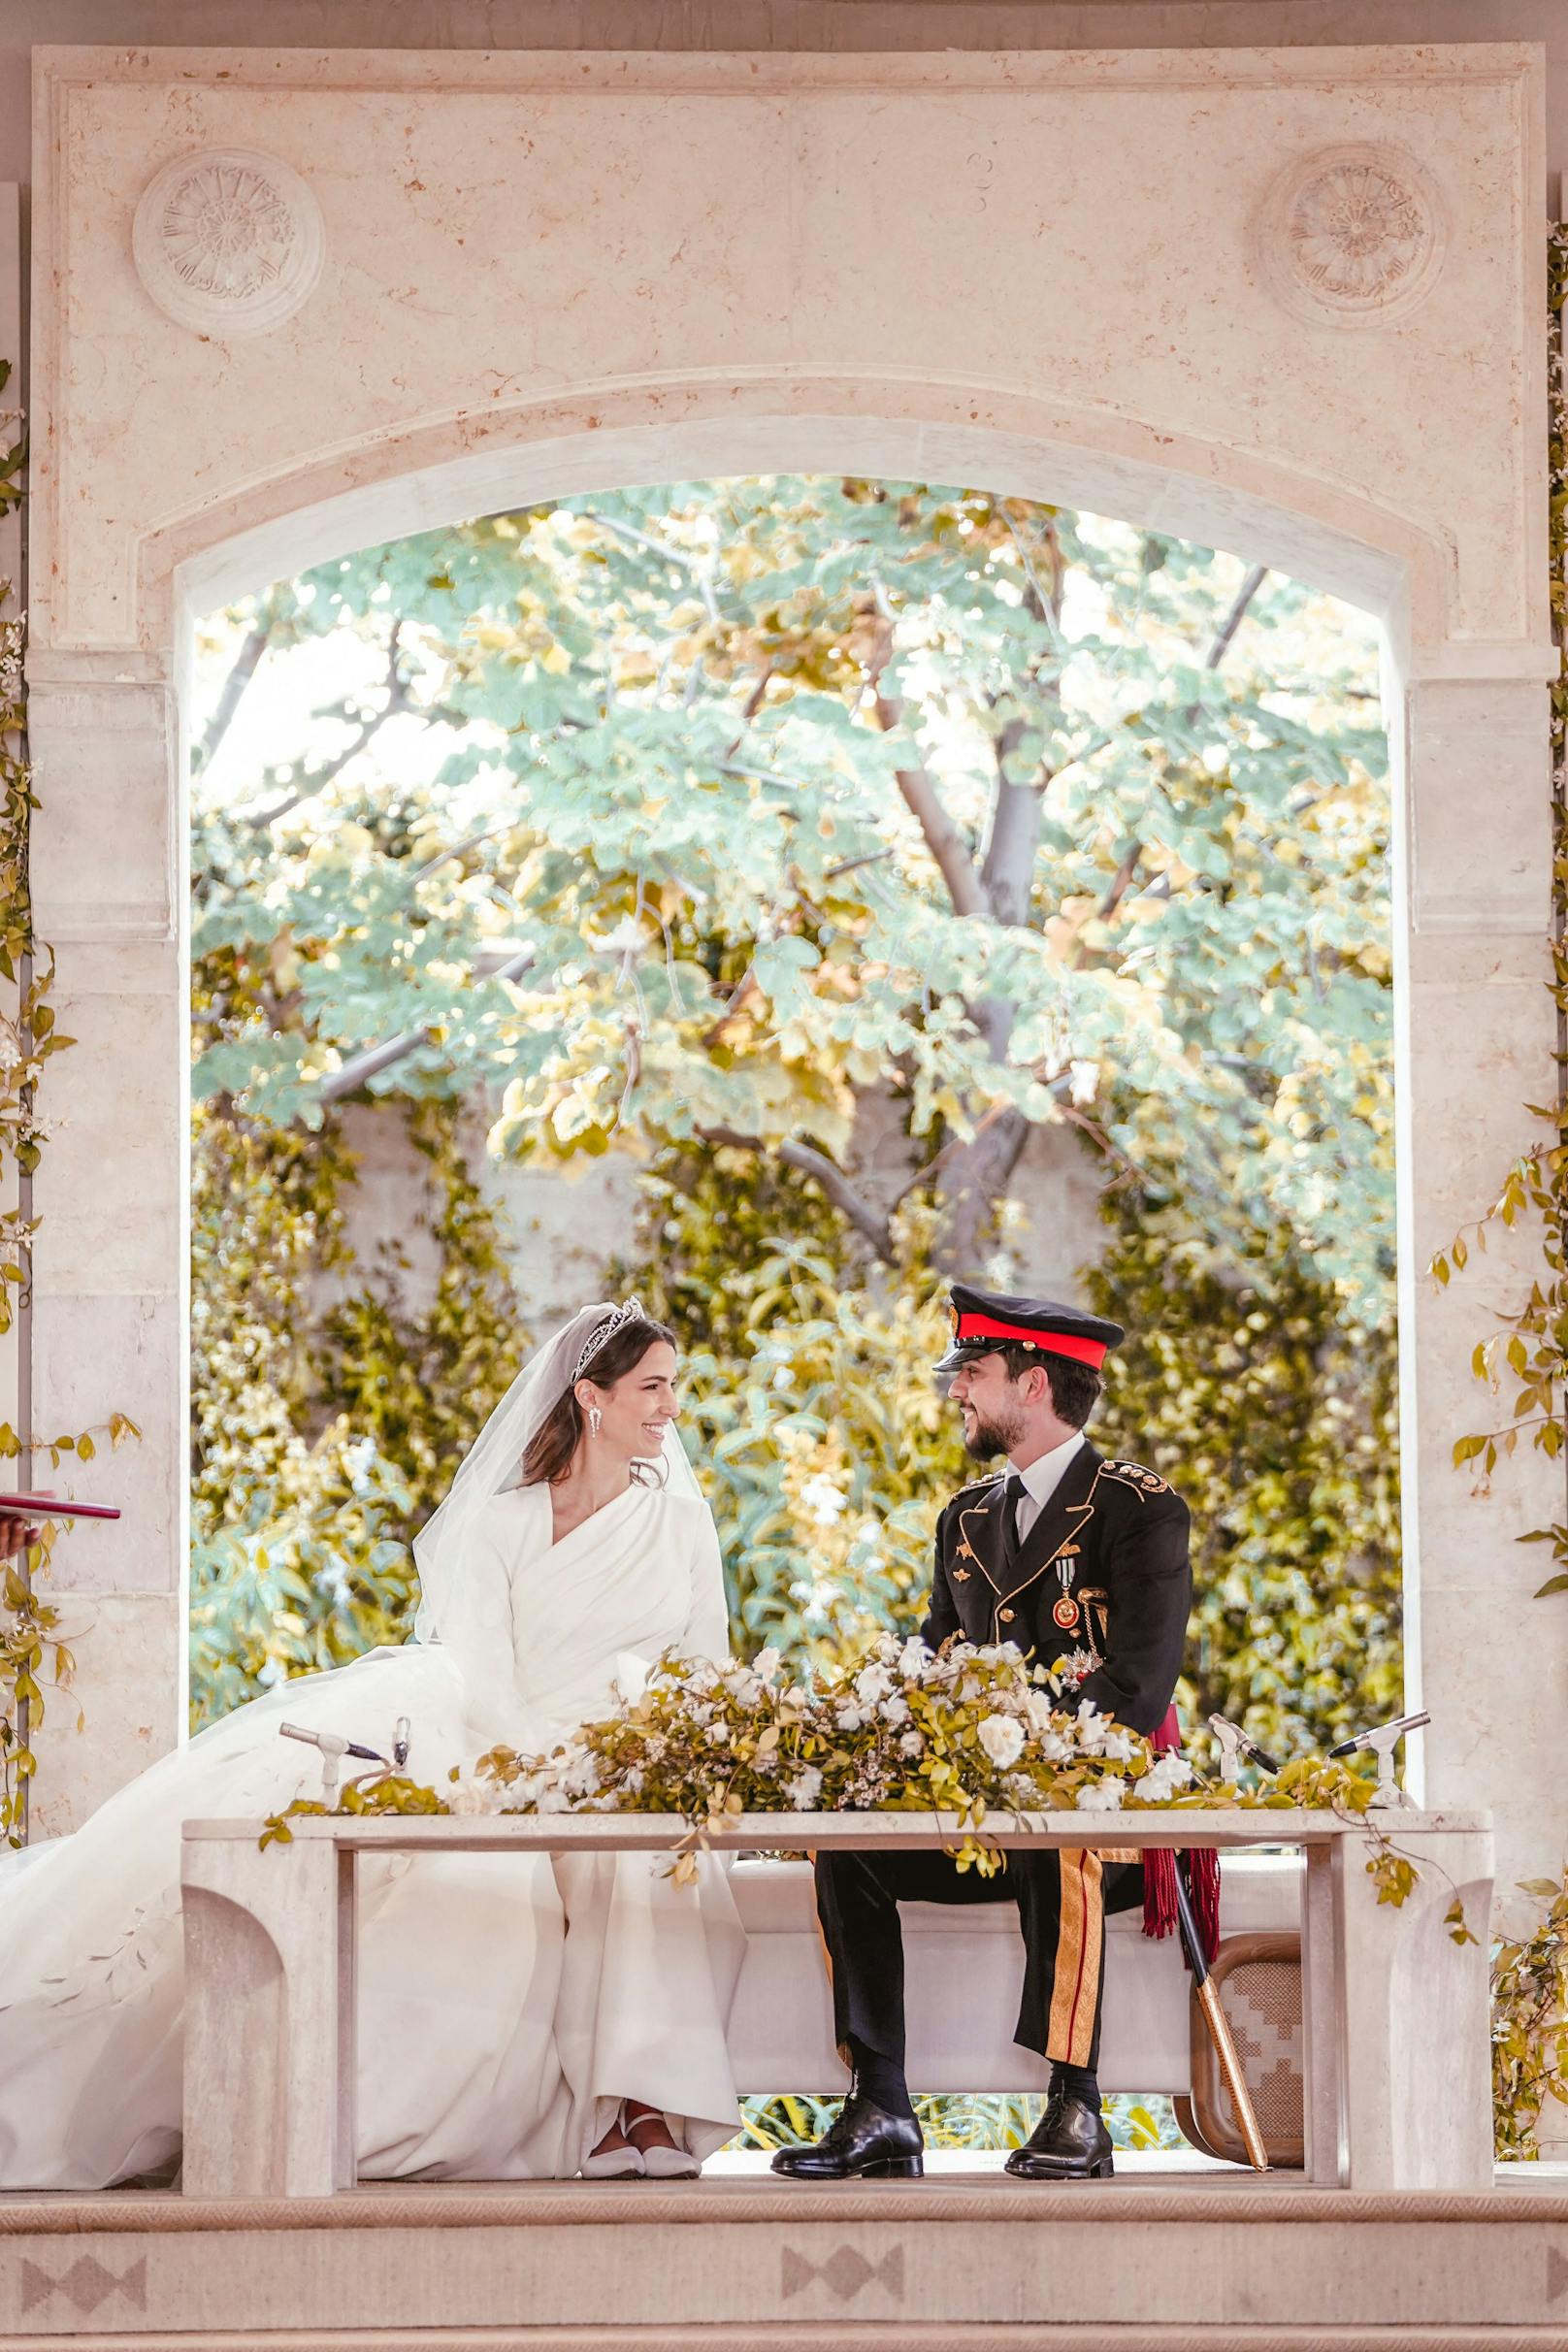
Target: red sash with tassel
1200,1868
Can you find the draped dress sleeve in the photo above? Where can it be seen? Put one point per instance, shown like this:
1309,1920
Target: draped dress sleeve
480,1630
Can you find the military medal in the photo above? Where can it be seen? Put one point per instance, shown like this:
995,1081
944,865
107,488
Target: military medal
1065,1611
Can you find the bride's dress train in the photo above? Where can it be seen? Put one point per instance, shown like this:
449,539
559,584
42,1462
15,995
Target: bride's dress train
506,2003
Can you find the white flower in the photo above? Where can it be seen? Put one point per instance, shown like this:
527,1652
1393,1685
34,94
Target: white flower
804,1789
913,1661
912,1745
1090,1728
741,1684
1118,1745
717,1734
765,1665
850,1717
825,1501
1101,1796
1166,1777
871,1683
1001,1738
894,1710
581,1777
1083,1082
632,1781
474,1797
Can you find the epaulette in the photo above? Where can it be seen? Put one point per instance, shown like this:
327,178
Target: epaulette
1149,1481
979,1487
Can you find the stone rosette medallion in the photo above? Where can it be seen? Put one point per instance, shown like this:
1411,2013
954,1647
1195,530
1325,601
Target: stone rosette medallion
228,241
1352,236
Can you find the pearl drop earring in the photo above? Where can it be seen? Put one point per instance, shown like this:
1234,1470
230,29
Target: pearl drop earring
594,1416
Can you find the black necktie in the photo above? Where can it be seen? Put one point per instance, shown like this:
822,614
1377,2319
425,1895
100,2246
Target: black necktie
1013,1494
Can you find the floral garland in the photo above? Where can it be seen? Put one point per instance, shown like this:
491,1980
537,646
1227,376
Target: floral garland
968,1732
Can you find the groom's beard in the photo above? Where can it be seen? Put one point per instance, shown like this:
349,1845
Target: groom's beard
989,1438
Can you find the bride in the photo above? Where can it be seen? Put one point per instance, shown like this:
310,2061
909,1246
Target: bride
521,2016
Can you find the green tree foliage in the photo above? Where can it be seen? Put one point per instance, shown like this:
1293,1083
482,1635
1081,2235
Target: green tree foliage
692,823
1276,1416
758,797
828,1453
325,1428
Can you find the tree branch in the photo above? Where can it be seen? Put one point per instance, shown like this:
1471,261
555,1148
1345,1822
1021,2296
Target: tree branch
316,782
942,837
830,1180
1008,875
363,1067
242,670
1235,617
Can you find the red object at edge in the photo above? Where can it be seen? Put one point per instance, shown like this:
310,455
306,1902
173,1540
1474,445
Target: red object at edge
53,1506
1199,1865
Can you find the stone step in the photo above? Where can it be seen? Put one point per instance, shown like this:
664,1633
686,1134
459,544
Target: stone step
960,2261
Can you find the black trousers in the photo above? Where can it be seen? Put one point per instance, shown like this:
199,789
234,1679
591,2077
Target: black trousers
1061,1896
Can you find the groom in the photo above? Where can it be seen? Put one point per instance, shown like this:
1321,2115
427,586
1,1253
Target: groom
1083,1563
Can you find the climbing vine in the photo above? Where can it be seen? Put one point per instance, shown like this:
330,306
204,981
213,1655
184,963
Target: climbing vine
33,1657
328,1413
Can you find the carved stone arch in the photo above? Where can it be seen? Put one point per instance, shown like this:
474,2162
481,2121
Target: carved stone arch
1312,333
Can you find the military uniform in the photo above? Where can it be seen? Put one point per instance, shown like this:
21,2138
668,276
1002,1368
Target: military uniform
1098,1590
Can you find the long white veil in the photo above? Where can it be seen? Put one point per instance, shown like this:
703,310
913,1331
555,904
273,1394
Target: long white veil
494,1463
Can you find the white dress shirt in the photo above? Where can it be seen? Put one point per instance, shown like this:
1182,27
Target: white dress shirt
1041,1480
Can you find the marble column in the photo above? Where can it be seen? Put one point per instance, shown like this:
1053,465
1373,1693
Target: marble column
108,1329
1478,1039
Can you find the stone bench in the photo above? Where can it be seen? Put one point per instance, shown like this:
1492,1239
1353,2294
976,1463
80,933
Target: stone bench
1395,2016
781,2026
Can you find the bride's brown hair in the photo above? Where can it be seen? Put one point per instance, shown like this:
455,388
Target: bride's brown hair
547,1455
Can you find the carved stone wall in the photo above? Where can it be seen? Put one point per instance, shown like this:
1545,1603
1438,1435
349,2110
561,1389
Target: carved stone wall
1281,301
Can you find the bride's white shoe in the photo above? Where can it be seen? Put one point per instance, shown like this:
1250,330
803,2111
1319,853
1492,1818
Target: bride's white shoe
661,2163
625,2162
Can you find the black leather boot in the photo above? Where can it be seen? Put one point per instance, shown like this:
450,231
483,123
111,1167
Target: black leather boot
861,2142
1069,2142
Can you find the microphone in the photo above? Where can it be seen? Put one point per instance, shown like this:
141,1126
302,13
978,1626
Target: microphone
1382,1739
1235,1743
332,1748
1392,1732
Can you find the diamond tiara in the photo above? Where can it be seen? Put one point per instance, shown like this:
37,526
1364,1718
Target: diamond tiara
602,1335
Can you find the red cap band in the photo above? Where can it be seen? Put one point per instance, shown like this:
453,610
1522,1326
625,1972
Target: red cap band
1049,1343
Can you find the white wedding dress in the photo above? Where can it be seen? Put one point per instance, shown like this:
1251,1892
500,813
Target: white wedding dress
506,2003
